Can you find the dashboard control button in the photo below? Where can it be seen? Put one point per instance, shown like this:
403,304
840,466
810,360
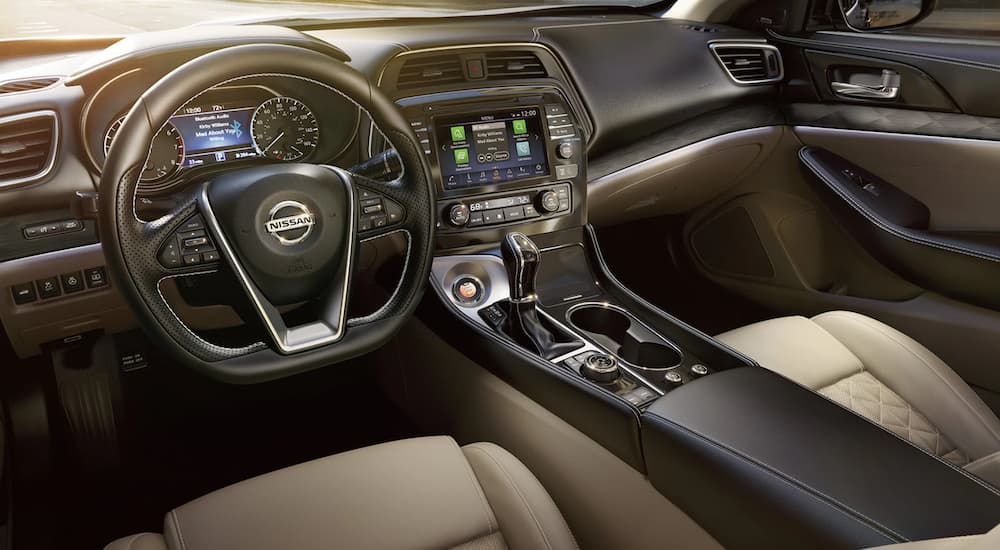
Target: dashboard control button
23,293
493,216
458,214
567,171
563,205
48,288
565,150
548,201
561,132
474,68
70,225
467,290
513,213
72,282
96,277
529,211
475,219
554,109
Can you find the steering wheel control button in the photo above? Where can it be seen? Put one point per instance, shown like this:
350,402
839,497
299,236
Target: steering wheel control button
96,277
72,282
468,290
23,293
188,246
600,368
377,211
48,287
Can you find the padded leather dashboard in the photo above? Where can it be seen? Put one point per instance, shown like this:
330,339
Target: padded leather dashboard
799,471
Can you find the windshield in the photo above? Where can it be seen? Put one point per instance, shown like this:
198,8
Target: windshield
54,18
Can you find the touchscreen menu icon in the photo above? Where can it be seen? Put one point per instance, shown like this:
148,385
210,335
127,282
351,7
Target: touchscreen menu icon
461,156
523,149
520,126
458,133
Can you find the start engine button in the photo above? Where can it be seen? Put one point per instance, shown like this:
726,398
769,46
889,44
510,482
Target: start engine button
468,290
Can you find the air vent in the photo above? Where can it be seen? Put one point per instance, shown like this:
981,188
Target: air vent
699,28
27,147
430,70
514,64
13,86
749,63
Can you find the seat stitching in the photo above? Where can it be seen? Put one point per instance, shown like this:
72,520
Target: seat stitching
482,497
177,528
930,367
517,490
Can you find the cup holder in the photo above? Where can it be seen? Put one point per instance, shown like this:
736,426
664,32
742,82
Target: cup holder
625,337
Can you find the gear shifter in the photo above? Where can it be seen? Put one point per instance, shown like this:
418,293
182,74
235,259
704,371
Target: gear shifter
522,258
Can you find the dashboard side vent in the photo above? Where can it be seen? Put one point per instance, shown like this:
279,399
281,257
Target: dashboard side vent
514,64
749,63
430,70
12,86
27,146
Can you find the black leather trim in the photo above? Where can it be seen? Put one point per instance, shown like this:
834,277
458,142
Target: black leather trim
964,269
762,462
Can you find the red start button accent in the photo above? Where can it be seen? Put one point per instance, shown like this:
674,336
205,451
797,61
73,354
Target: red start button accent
467,290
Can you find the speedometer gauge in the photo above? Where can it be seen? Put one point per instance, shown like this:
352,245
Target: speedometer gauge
284,128
165,155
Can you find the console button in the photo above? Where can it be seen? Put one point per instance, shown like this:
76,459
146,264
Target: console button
549,201
23,293
513,213
493,216
673,378
699,370
559,120
567,171
565,150
600,368
529,211
72,282
554,109
475,219
95,277
467,290
458,214
49,287
565,131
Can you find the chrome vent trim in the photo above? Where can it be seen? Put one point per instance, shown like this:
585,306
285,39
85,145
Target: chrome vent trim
27,84
28,144
430,70
514,64
749,62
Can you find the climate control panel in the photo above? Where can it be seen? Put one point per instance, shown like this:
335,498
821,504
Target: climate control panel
468,213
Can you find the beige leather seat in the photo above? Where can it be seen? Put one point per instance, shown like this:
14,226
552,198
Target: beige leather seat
884,376
415,493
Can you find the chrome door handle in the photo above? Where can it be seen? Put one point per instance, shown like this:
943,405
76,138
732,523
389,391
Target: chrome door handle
888,89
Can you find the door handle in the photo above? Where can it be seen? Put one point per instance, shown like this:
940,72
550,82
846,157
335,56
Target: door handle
887,89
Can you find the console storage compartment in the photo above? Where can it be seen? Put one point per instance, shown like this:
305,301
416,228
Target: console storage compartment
762,462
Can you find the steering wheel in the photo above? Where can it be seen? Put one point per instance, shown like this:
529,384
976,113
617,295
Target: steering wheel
289,232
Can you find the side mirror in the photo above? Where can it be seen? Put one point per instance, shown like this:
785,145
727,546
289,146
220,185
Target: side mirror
875,15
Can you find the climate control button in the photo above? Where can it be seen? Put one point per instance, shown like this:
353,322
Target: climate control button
548,201
458,215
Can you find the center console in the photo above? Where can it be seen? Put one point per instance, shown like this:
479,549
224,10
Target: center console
524,290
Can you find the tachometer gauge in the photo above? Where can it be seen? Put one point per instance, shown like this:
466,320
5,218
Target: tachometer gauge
165,156
284,128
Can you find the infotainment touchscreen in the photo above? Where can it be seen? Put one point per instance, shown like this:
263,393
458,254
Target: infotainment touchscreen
491,148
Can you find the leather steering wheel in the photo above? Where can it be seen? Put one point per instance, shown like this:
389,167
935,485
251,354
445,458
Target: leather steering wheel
287,231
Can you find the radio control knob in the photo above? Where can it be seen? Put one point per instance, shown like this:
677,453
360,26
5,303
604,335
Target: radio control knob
548,201
458,214
565,150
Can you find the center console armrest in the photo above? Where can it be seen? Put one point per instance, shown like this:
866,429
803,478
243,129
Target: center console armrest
760,461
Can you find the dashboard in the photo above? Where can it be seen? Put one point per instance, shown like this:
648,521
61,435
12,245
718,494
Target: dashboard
247,121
